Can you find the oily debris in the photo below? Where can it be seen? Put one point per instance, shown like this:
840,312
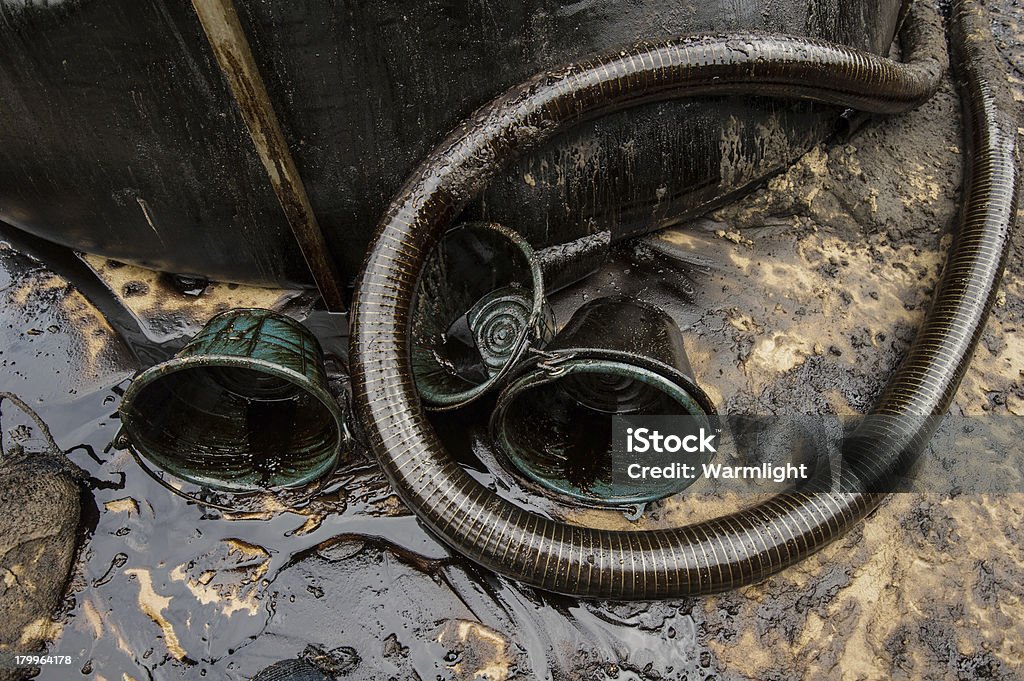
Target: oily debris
799,298
40,496
55,345
171,308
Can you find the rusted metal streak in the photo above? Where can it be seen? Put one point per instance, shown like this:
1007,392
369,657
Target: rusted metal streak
231,48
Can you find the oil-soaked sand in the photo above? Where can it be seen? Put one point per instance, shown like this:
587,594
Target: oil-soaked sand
803,296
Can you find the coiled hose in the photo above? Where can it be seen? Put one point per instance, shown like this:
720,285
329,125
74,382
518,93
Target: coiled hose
749,545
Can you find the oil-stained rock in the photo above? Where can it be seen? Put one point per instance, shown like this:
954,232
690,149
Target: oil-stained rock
40,498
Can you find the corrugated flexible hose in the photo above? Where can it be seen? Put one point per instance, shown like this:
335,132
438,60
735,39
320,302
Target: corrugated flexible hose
749,545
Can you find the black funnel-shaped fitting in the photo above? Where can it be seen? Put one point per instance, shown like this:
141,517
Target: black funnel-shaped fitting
244,406
479,307
616,357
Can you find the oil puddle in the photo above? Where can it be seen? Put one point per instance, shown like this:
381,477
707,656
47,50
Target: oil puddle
164,588
167,588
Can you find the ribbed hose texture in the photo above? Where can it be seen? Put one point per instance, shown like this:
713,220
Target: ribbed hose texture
747,546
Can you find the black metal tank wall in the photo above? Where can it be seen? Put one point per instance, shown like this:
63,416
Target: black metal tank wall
118,134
